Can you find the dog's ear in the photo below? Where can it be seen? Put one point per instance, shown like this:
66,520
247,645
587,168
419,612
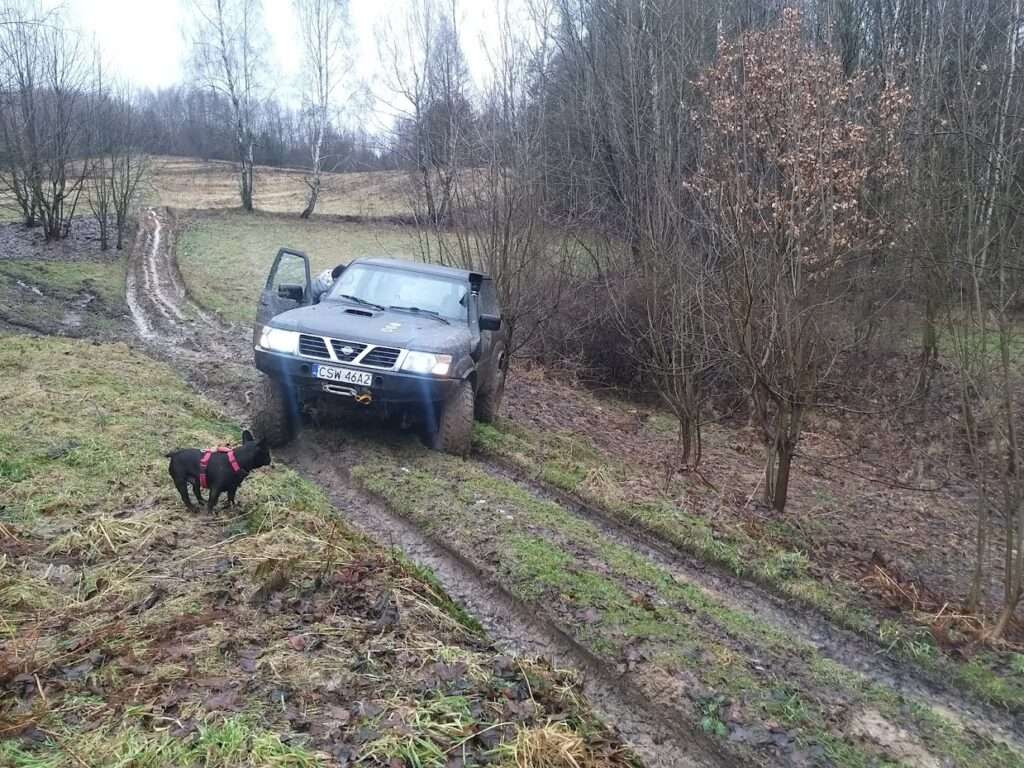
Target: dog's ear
247,436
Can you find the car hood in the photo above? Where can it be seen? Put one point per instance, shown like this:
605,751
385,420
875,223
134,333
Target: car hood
391,329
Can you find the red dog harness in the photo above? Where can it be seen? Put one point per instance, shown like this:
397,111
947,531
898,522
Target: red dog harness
206,460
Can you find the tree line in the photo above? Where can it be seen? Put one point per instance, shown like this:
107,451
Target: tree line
72,139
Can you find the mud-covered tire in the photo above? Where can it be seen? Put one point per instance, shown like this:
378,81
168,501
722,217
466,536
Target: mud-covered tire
273,419
454,432
489,402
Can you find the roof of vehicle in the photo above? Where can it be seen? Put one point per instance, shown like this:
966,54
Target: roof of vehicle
419,266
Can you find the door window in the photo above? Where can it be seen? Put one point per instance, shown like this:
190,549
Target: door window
291,270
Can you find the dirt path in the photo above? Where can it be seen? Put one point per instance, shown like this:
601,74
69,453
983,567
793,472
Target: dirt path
216,358
177,330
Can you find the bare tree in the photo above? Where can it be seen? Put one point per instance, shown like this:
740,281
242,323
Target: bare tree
429,77
102,140
130,164
43,124
322,25
227,39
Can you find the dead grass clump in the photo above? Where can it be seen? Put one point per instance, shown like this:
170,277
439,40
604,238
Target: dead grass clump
101,538
553,745
28,594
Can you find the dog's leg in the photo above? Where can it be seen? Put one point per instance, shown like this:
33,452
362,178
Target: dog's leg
231,496
211,500
197,492
182,486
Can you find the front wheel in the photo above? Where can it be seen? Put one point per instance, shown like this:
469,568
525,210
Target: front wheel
454,433
488,402
273,417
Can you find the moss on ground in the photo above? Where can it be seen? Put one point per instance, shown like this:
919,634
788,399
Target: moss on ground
105,279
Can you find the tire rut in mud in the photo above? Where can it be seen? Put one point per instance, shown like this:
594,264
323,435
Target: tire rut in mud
839,645
214,356
657,737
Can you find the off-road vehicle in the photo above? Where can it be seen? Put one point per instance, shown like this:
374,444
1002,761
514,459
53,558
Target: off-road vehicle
420,344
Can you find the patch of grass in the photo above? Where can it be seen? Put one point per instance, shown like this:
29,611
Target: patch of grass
225,257
427,733
554,745
105,279
220,744
439,596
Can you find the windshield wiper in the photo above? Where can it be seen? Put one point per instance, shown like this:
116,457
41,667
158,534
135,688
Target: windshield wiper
420,311
358,300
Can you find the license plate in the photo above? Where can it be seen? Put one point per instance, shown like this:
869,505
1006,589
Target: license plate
343,375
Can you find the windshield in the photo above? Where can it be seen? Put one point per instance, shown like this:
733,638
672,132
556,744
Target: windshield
398,288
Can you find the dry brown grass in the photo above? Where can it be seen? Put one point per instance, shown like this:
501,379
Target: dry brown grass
191,183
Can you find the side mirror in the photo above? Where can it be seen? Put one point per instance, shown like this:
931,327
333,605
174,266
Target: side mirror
490,323
290,291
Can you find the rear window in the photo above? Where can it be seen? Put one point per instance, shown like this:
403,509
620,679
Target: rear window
397,288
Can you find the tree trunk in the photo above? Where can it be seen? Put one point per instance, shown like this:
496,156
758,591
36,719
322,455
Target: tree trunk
929,347
781,489
245,183
314,194
976,595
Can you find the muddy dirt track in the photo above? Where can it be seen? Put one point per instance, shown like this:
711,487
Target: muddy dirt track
216,358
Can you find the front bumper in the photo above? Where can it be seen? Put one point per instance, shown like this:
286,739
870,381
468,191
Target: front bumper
388,388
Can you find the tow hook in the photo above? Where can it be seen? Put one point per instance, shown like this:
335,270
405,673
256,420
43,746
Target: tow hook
364,398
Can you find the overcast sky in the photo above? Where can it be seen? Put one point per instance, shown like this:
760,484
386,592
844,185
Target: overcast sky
143,41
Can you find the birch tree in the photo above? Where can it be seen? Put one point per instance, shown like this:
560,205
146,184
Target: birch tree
322,25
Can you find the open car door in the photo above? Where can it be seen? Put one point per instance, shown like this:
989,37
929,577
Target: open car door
288,286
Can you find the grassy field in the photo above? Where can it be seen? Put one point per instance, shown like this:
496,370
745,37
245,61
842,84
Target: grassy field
225,256
190,183
135,633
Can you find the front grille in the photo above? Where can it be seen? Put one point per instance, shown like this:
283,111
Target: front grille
346,357
381,357
313,346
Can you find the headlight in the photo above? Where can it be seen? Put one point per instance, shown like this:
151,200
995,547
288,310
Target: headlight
427,362
279,340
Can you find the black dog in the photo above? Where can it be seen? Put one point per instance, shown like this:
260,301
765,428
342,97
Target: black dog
220,470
